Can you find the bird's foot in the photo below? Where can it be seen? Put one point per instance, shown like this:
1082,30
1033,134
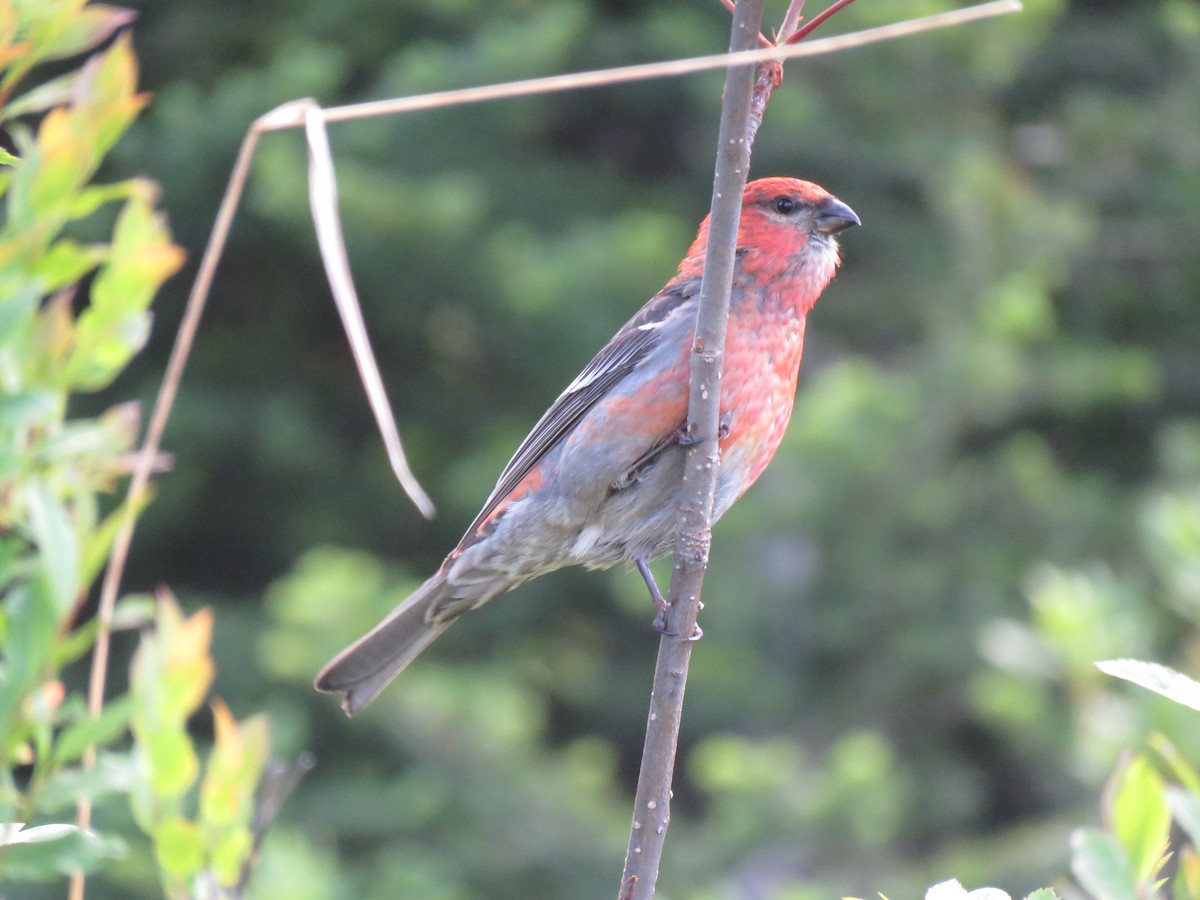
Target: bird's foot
686,437
660,603
660,625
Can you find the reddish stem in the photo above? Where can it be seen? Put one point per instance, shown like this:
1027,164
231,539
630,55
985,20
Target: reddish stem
811,24
770,74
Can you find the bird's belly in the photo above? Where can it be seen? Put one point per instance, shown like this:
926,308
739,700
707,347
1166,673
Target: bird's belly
578,511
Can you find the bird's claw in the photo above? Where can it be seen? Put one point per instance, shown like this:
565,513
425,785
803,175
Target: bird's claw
686,438
660,603
660,625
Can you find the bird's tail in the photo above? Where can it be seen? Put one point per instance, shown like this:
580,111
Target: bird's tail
366,667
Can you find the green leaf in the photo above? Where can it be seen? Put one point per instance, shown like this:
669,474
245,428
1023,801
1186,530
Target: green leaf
1155,677
84,30
1139,816
93,732
11,549
1176,766
48,94
7,158
134,611
104,345
99,542
229,855
27,409
110,102
1185,807
114,773
66,262
50,852
28,642
177,848
142,258
76,644
186,666
235,765
1042,894
50,340
1099,864
62,164
1187,876
85,441
17,308
170,759
92,197
56,544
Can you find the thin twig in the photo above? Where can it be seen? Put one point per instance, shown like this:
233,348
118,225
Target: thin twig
288,116
791,21
770,72
652,802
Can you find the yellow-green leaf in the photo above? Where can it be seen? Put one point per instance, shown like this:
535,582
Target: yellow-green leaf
1139,816
66,262
1187,876
235,766
177,848
85,29
228,856
58,547
170,759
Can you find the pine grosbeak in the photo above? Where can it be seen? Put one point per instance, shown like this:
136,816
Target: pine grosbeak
596,481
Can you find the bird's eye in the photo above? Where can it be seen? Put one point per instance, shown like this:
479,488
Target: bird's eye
785,205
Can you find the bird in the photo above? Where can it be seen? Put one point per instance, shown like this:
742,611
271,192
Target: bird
596,482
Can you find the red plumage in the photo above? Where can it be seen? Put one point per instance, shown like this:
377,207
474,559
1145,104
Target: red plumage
595,482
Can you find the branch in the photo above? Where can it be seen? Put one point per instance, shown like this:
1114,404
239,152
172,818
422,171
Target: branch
652,803
770,72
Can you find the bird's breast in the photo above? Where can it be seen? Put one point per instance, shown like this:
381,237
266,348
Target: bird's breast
762,362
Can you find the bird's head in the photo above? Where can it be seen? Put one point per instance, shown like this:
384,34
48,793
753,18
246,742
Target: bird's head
785,209
782,217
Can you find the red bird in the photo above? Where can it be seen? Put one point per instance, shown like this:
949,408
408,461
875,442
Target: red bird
595,482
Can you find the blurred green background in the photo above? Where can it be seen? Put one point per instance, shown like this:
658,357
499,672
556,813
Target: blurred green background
992,477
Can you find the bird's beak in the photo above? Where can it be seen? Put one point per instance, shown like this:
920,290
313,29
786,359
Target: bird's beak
833,216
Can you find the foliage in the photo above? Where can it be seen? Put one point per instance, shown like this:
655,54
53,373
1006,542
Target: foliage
73,311
208,852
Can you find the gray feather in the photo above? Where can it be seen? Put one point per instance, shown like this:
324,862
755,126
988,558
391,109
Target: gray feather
368,665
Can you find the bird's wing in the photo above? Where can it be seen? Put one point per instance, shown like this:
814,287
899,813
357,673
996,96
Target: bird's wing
615,361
